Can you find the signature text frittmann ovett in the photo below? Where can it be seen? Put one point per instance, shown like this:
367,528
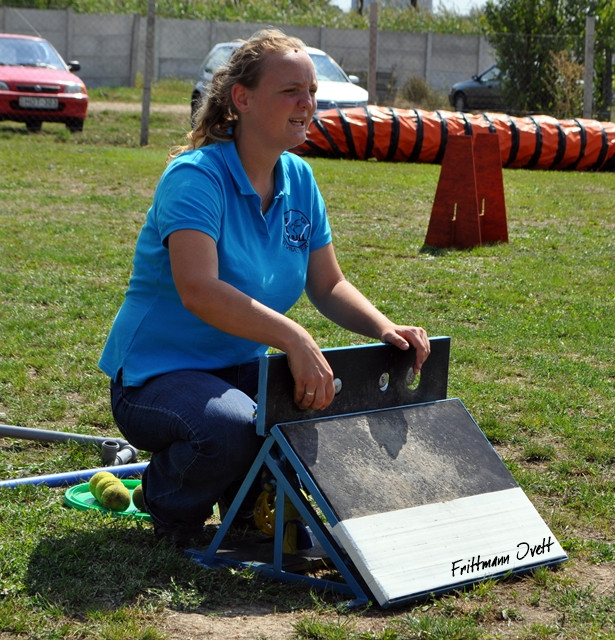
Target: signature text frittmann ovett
476,564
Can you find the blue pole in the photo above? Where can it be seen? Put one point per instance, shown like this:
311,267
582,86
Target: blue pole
75,477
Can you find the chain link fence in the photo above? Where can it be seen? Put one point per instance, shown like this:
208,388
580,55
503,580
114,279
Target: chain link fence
112,48
118,49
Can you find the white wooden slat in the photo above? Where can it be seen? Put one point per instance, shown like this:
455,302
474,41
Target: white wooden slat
437,546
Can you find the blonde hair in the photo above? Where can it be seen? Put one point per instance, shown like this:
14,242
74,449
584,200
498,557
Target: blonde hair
216,118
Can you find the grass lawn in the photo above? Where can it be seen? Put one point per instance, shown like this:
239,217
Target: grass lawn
532,325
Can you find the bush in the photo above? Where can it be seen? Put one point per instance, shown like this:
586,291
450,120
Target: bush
568,86
417,93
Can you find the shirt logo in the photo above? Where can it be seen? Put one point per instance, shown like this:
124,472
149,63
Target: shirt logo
296,230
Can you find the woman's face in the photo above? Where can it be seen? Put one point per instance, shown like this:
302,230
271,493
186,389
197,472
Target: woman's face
279,110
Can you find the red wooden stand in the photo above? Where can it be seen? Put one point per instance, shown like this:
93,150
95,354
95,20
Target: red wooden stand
469,208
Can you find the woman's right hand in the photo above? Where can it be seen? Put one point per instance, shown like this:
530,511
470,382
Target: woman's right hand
314,387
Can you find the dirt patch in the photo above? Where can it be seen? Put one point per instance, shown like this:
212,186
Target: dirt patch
245,624
511,606
135,107
259,623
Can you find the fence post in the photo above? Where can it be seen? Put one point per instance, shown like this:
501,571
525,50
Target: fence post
479,55
133,63
373,53
428,49
588,75
68,41
148,72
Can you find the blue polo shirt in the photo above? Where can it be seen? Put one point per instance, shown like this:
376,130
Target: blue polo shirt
264,256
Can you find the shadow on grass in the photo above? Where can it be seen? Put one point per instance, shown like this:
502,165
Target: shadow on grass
122,566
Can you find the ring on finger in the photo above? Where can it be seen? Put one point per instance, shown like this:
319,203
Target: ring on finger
310,393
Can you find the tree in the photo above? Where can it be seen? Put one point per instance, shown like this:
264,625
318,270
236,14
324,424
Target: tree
603,57
604,11
531,37
525,33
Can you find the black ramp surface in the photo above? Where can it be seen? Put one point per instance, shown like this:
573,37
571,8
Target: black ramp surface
398,458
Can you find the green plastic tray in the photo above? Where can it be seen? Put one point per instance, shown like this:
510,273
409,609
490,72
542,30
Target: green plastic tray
79,497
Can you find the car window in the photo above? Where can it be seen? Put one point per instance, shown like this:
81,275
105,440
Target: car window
327,70
26,53
8,54
217,58
491,75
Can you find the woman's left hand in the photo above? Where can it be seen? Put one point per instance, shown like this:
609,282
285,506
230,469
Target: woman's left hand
404,336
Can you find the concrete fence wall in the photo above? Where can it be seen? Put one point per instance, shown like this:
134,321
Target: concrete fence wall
111,48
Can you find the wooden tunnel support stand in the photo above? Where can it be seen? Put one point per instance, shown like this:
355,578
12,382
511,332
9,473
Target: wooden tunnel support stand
469,209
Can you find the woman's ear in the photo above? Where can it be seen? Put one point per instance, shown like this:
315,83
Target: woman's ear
240,96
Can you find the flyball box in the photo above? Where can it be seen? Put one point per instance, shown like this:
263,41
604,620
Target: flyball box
407,496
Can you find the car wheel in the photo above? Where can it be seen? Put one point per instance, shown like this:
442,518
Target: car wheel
460,102
34,126
75,125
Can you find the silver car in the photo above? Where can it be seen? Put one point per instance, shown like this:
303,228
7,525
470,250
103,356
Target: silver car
336,89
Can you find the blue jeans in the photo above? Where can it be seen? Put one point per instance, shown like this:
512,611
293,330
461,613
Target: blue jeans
199,427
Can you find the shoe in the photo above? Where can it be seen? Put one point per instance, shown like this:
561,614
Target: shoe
244,518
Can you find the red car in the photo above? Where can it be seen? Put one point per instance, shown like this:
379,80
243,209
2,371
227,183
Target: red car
37,86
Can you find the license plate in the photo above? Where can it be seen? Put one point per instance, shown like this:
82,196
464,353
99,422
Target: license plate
28,102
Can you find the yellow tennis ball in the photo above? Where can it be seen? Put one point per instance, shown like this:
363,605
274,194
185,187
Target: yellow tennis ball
102,484
116,497
96,478
137,497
